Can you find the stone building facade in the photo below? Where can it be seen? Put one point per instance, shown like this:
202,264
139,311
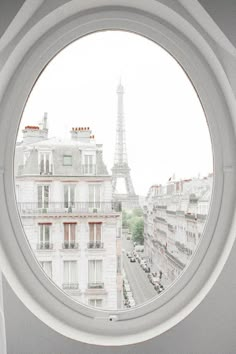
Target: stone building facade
64,196
174,220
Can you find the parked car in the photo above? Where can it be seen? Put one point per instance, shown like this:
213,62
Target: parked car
132,302
132,259
154,280
129,254
159,288
146,268
143,262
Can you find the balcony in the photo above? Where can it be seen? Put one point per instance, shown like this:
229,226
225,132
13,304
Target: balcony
190,216
182,248
44,246
96,285
174,260
70,245
29,208
70,286
95,244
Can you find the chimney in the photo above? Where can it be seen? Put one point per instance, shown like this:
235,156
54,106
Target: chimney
81,134
35,133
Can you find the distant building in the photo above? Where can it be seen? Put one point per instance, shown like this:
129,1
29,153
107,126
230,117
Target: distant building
64,196
174,220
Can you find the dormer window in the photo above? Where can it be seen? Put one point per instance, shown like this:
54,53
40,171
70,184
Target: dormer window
67,160
89,166
45,163
26,157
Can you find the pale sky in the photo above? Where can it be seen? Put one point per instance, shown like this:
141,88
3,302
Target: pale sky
166,129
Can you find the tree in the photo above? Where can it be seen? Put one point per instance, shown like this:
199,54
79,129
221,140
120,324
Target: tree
137,230
124,220
137,212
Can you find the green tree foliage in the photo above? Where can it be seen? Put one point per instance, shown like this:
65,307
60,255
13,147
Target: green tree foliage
137,230
133,221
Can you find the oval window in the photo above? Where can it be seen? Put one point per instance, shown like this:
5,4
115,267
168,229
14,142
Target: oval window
114,182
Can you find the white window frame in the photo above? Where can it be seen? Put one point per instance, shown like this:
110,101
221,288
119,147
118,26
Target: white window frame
97,278
93,202
45,204
42,233
182,38
44,154
95,302
66,163
94,224
72,274
71,203
89,164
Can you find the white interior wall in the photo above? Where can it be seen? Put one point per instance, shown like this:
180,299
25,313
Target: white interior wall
210,329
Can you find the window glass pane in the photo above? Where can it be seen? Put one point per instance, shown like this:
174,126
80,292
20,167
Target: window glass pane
40,196
66,232
72,232
66,196
127,194
66,272
67,160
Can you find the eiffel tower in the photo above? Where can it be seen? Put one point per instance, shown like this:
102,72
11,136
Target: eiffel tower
121,170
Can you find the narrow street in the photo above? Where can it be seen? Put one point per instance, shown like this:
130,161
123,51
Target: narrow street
141,288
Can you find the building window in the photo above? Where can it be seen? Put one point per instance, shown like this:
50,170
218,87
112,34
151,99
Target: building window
44,236
95,235
94,196
69,196
69,235
26,157
95,276
47,267
43,196
45,163
70,276
95,302
67,160
89,166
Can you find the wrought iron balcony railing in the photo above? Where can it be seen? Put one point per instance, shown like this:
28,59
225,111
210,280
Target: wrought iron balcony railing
70,245
44,246
95,244
96,285
76,207
72,286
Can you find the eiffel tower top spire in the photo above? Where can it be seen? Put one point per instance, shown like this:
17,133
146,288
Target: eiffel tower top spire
120,149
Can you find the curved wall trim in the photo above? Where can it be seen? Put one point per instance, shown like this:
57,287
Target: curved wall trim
204,68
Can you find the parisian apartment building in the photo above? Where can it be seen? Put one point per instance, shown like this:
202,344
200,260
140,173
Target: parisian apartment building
64,197
174,220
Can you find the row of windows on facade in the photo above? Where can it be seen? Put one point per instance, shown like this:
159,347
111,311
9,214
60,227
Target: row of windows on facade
95,235
69,194
70,272
43,196
46,162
